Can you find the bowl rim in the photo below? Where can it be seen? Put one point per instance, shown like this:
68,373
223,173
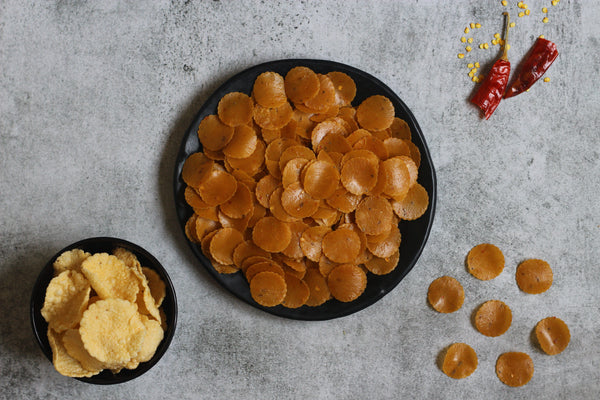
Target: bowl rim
40,326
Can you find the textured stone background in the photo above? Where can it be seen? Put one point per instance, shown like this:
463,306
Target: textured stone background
94,101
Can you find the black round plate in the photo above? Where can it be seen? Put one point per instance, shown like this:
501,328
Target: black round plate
106,245
414,233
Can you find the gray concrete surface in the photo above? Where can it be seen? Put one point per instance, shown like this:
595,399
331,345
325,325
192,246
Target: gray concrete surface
94,101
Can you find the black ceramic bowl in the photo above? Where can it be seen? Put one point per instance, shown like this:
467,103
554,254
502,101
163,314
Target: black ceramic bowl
414,233
98,245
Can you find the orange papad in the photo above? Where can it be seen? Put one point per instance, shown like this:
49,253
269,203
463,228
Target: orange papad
493,318
446,294
514,368
534,276
460,361
485,261
553,335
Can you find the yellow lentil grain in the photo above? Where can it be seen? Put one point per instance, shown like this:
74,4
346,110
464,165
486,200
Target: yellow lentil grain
468,48
486,46
463,39
472,25
471,74
507,46
474,79
467,29
478,25
470,65
461,55
546,79
494,42
542,36
520,4
545,20
470,40
527,12
544,10
504,3
476,64
497,35
473,70
521,14
512,24
554,2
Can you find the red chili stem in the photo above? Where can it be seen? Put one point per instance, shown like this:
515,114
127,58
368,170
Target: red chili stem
506,26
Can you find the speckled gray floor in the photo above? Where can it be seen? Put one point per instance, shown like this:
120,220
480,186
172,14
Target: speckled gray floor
94,101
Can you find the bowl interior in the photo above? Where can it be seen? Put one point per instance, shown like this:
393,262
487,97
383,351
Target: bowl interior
97,245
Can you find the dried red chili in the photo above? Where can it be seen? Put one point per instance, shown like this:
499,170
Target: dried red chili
492,89
541,56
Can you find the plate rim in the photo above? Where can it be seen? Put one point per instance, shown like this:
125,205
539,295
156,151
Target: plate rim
351,307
